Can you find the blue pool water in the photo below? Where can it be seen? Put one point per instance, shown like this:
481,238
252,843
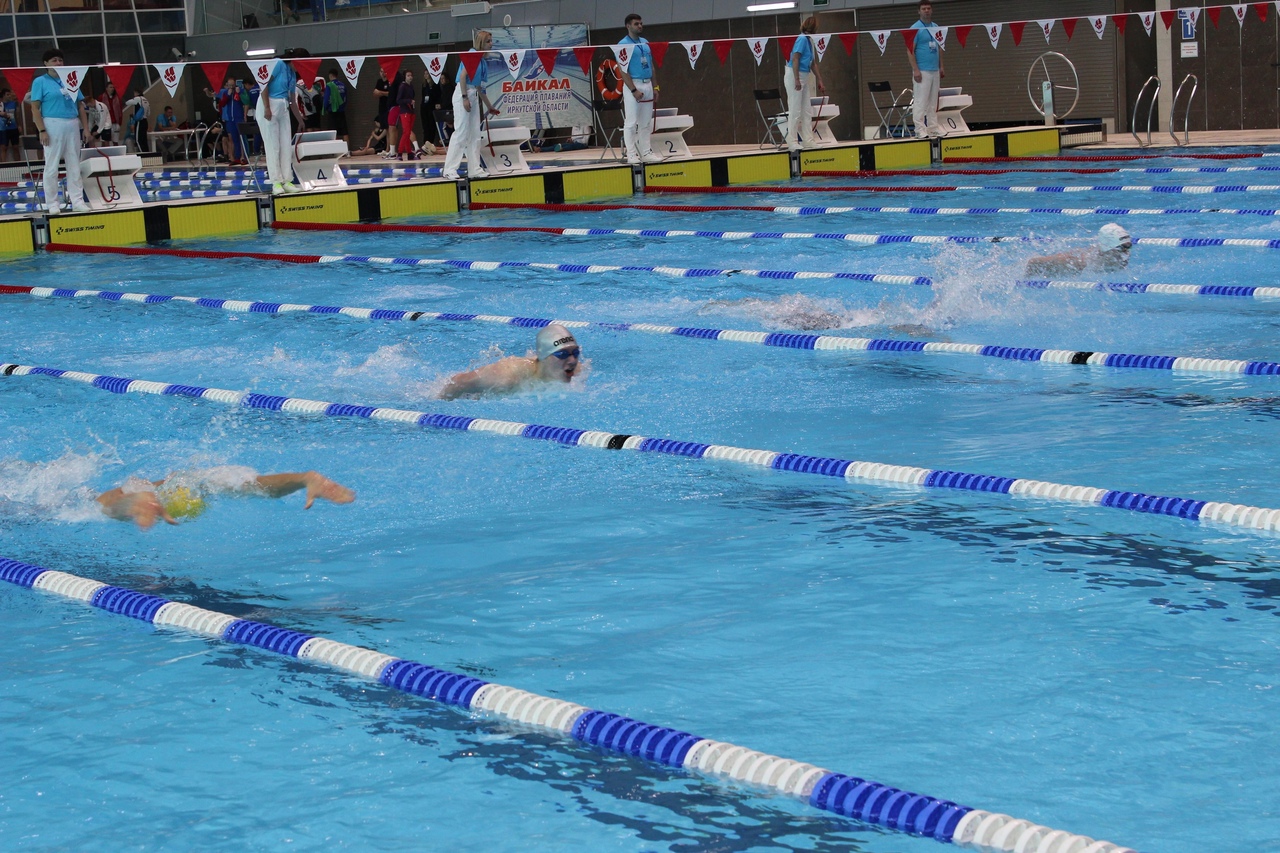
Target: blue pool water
1108,673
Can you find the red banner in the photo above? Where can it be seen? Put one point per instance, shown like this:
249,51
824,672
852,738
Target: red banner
547,56
785,43
390,66
1119,21
1261,9
215,71
848,40
120,76
306,70
584,55
471,61
1069,24
659,50
1016,27
1167,17
909,36
722,47
1213,12
962,33
19,80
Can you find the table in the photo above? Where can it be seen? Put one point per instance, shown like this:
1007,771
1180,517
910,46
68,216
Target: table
187,135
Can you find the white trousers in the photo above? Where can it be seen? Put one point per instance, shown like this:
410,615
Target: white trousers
63,148
637,121
924,104
277,140
799,109
465,141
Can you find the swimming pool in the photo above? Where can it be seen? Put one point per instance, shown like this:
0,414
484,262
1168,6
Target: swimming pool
1104,672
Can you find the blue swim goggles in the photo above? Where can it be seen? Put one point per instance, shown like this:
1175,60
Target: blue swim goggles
562,354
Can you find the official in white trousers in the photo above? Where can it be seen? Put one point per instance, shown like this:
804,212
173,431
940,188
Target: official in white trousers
465,141
637,122
800,80
64,135
277,142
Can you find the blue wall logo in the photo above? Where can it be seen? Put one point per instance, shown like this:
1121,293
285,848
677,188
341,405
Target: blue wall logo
1188,25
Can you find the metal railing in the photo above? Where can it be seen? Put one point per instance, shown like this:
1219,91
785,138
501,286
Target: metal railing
1186,116
1151,109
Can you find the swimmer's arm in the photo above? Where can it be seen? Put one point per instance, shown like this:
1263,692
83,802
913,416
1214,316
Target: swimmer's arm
1061,262
505,375
317,486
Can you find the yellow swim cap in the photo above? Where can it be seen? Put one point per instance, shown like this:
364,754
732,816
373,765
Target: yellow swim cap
181,502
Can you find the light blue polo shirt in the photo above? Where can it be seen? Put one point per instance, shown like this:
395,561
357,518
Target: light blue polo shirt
641,65
53,103
283,80
803,48
926,47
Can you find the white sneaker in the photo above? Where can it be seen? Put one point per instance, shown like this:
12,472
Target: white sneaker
80,207
277,189
449,175
291,188
478,173
53,208
652,158
631,162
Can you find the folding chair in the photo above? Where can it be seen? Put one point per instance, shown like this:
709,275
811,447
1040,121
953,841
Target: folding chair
890,106
32,144
608,134
773,134
443,118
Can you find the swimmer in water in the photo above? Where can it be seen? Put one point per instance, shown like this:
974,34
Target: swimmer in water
181,496
1111,253
555,360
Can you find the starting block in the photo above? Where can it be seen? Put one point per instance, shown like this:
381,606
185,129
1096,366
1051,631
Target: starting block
669,126
823,112
107,175
951,102
315,159
500,141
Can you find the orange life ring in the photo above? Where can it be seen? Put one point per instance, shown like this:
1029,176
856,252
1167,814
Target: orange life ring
609,92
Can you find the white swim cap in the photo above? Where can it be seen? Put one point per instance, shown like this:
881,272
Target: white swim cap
1113,236
554,337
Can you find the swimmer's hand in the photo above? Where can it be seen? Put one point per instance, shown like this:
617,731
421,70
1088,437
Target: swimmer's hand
320,486
142,508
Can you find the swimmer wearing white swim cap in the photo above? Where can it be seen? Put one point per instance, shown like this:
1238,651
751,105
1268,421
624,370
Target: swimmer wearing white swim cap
1112,253
556,358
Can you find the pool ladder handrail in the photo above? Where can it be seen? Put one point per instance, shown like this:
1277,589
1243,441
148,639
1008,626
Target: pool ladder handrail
1186,117
1151,108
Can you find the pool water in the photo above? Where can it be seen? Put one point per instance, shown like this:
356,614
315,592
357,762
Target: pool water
1108,673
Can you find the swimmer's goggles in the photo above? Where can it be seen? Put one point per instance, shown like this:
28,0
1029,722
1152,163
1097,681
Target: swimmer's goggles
562,354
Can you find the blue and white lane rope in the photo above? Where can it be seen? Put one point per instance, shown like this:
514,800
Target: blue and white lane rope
1259,518
786,340
1022,211
1170,189
1228,290
851,796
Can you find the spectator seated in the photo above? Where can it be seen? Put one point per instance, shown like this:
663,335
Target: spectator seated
668,132
315,159
500,143
107,175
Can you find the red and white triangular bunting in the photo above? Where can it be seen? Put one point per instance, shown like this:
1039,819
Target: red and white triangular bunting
1148,18
1046,27
170,75
694,49
1240,11
1191,13
1099,24
514,60
820,44
940,36
435,65
623,53
993,33
881,38
72,77
350,66
757,47
262,70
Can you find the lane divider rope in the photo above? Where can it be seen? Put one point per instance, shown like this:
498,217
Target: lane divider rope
876,473
487,266
1172,189
811,210
850,796
1098,158
864,239
1256,292
786,340
1093,170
